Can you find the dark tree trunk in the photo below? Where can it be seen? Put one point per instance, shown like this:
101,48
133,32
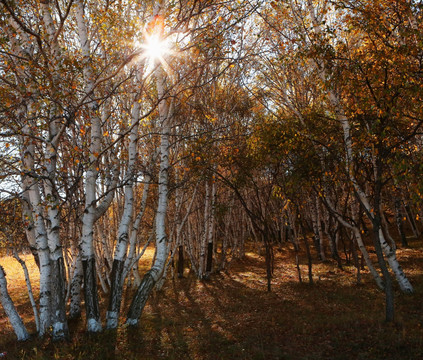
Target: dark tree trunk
353,247
310,260
115,298
297,260
377,223
269,265
400,225
334,248
268,258
58,288
140,299
90,290
209,263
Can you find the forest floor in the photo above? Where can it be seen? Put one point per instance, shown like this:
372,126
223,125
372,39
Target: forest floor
232,316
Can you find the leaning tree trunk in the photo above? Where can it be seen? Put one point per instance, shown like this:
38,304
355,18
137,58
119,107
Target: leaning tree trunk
410,217
10,310
359,240
29,288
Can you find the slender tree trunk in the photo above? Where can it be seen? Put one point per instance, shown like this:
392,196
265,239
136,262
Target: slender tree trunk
152,276
29,287
42,247
117,279
385,229
58,275
210,233
310,260
314,220
410,217
322,254
398,219
353,246
268,258
378,241
91,212
10,310
203,245
133,240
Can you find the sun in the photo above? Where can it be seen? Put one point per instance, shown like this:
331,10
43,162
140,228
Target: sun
155,44
155,48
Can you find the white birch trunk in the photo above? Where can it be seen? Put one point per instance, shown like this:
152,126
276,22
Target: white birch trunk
10,310
360,243
32,209
89,217
58,278
28,220
40,233
177,242
29,287
129,261
156,271
75,289
125,222
385,228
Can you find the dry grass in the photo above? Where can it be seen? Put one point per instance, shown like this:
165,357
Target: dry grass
232,316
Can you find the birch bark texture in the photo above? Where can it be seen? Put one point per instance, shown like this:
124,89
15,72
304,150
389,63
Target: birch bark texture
121,248
10,310
162,250
90,213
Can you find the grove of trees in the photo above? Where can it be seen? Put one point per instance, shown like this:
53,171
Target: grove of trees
198,127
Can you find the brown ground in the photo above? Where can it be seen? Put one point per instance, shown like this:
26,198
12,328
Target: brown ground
232,316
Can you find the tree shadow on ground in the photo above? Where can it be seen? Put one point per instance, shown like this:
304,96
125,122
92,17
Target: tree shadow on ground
232,316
